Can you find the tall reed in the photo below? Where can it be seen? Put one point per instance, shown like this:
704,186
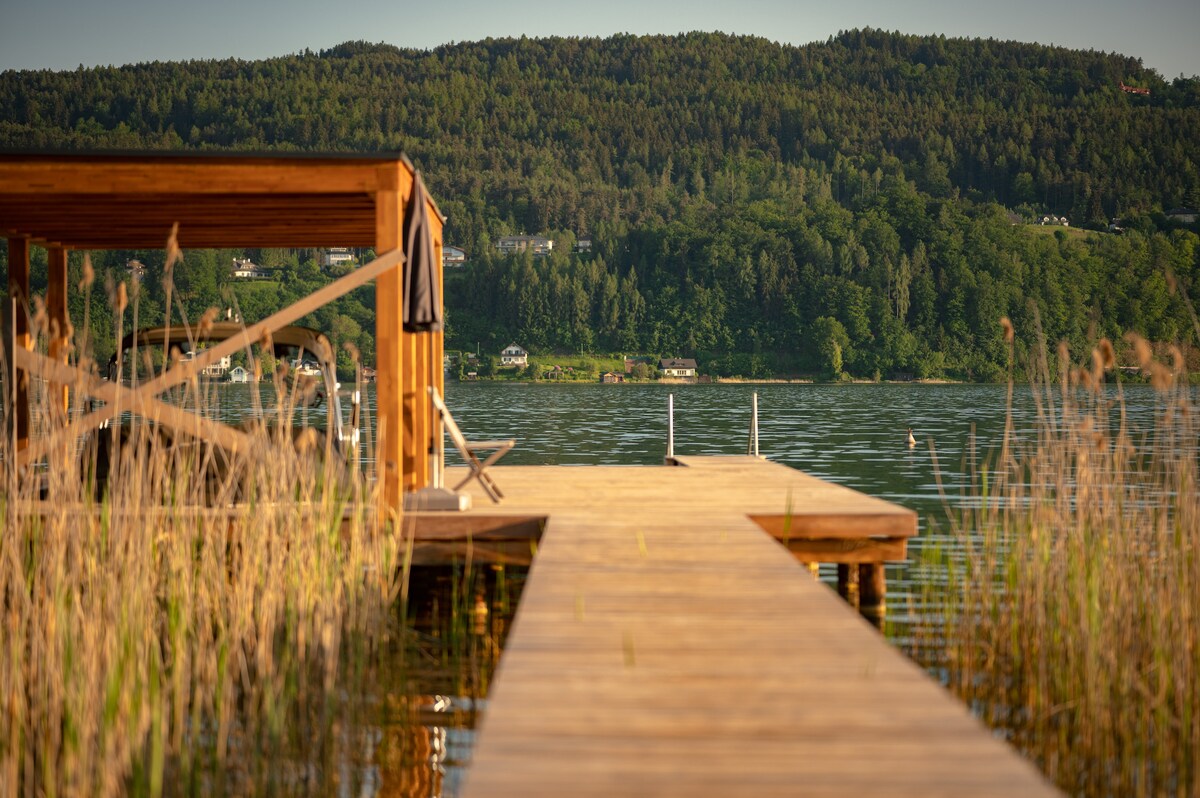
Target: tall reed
155,631
1072,622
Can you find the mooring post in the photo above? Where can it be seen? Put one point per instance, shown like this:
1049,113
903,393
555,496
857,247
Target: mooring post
847,580
670,458
752,444
872,588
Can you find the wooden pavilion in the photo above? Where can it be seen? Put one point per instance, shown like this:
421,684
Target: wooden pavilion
88,201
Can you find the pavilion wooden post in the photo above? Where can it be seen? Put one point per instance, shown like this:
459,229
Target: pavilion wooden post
16,334
389,352
60,324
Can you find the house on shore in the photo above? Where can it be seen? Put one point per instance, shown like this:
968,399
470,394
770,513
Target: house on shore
239,374
336,256
680,368
513,356
514,245
245,269
612,376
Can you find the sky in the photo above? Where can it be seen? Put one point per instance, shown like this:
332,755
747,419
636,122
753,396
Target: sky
63,34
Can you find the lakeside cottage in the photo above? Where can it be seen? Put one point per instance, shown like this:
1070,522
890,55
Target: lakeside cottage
239,374
336,256
678,367
513,355
245,269
611,376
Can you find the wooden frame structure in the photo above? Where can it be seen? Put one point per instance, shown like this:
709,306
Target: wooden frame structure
86,201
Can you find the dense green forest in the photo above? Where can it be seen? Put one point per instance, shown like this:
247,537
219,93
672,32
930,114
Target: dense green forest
856,205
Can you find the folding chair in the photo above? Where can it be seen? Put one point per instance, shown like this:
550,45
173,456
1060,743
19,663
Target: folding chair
468,450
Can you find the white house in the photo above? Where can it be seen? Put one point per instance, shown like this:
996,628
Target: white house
244,269
239,374
583,245
513,355
217,369
453,256
512,245
677,367
336,256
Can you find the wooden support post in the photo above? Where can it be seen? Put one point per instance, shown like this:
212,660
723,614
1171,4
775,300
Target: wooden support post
389,339
847,581
16,334
60,323
872,588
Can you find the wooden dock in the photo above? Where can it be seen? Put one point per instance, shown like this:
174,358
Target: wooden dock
666,645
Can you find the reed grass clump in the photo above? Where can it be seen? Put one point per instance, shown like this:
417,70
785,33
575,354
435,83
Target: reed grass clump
179,628
1073,620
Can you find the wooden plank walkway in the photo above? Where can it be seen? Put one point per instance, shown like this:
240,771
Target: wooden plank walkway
665,645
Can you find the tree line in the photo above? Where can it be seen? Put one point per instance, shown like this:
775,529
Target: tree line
847,205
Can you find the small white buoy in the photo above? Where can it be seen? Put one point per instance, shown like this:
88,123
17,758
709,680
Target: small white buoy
911,440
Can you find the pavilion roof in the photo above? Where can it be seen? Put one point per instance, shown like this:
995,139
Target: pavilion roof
82,200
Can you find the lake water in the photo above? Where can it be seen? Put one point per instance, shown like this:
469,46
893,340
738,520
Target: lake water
854,435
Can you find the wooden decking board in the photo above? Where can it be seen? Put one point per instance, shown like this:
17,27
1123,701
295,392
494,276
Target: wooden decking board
666,645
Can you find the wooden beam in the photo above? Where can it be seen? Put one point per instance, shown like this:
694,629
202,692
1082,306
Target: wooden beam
183,176
139,402
849,550
60,323
185,371
16,335
394,184
822,524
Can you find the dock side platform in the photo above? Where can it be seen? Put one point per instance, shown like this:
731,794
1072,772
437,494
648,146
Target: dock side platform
667,644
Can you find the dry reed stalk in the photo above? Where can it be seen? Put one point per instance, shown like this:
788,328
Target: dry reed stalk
148,638
1073,621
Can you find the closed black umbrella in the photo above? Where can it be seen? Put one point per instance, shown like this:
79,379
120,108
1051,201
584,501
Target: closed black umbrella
422,310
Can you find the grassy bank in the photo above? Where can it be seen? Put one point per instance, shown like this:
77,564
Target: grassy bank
1072,618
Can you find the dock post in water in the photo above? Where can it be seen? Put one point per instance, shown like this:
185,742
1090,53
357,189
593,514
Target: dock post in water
872,589
670,458
752,443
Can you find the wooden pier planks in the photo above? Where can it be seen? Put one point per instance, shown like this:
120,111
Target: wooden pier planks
664,645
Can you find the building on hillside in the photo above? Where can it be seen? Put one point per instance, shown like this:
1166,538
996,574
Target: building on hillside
513,355
1183,215
239,374
583,245
612,376
678,367
1050,218
216,370
244,269
514,245
453,256
631,362
337,256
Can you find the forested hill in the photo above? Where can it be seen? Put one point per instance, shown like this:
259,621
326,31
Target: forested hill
842,202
